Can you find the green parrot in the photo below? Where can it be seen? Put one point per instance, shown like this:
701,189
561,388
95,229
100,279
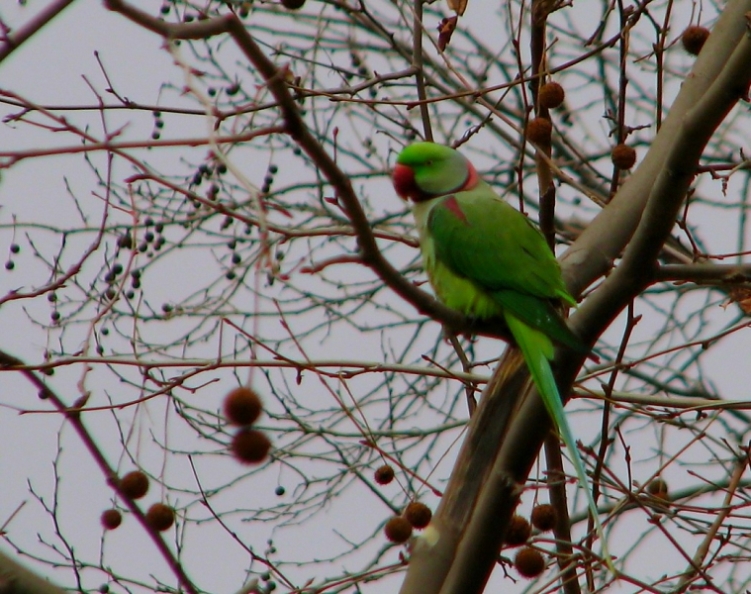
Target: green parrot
486,259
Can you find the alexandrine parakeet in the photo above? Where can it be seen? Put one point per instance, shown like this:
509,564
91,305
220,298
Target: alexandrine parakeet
486,259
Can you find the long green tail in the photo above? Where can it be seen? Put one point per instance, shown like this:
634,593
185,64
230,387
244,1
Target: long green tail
538,350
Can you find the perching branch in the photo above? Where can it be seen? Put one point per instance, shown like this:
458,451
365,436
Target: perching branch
720,78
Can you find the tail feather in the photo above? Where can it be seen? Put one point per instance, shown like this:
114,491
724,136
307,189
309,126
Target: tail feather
538,350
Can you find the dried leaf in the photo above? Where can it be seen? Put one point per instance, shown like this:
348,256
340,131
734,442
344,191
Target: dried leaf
445,31
741,296
458,6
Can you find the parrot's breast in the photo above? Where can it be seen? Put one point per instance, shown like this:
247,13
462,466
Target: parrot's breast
453,290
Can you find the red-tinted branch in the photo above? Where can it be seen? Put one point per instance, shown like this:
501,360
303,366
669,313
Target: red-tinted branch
73,416
12,41
297,129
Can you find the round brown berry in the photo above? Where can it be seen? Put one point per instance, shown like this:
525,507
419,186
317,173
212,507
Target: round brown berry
398,529
529,562
418,514
111,519
384,474
242,406
134,485
623,156
543,517
293,4
250,446
518,531
658,488
539,130
160,517
551,95
693,39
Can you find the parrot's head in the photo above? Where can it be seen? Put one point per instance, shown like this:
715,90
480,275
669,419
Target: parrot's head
426,170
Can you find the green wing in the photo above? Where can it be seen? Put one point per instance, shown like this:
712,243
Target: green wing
481,238
540,314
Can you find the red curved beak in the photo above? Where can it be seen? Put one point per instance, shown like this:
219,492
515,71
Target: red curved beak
403,179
